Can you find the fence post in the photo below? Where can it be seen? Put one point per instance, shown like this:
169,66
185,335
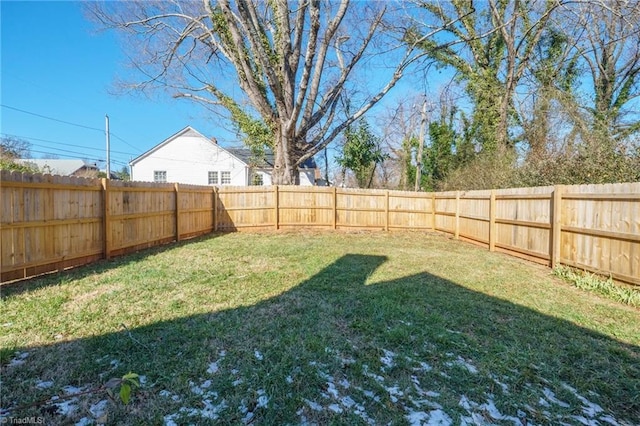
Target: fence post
556,225
106,216
215,209
386,211
277,202
177,194
492,221
456,233
335,208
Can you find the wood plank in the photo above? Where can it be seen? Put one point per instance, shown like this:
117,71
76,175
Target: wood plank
335,207
53,261
177,211
386,212
526,223
303,225
276,208
46,223
464,196
522,196
281,207
520,250
622,236
480,219
474,238
492,220
144,189
409,211
556,226
524,256
361,209
106,216
591,196
58,187
433,211
392,227
145,215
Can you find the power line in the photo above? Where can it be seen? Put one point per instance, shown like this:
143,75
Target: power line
57,151
51,118
67,153
125,142
58,154
98,160
61,150
67,144
69,123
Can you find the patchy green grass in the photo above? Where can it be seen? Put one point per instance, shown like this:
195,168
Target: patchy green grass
598,284
333,328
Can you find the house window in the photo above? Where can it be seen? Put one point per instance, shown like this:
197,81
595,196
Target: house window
257,179
160,176
225,178
213,178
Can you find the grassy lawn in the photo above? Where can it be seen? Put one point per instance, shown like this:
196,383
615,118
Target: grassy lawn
333,328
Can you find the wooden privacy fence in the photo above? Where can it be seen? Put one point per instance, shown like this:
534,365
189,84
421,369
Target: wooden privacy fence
51,223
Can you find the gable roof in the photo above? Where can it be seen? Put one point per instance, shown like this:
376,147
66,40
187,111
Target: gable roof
243,154
64,167
187,131
247,157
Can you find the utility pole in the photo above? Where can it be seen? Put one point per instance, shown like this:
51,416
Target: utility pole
108,147
423,124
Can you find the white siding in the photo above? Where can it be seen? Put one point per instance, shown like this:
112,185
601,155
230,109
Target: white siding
266,177
307,177
189,159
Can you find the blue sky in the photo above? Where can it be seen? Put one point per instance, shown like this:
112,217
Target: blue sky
54,63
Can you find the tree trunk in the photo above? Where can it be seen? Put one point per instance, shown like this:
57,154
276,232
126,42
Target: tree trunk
285,172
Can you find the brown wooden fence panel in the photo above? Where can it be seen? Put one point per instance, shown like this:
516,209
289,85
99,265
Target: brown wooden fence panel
251,207
523,222
601,229
445,212
48,223
360,209
299,207
474,216
141,215
409,210
195,206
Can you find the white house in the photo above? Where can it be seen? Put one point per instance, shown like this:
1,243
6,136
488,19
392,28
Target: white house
189,157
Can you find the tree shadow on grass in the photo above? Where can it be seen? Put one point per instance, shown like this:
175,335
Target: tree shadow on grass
337,349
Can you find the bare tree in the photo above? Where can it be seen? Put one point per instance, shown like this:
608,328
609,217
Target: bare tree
610,47
12,147
277,68
400,125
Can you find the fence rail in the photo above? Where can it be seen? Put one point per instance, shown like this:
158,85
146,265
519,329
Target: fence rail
50,223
